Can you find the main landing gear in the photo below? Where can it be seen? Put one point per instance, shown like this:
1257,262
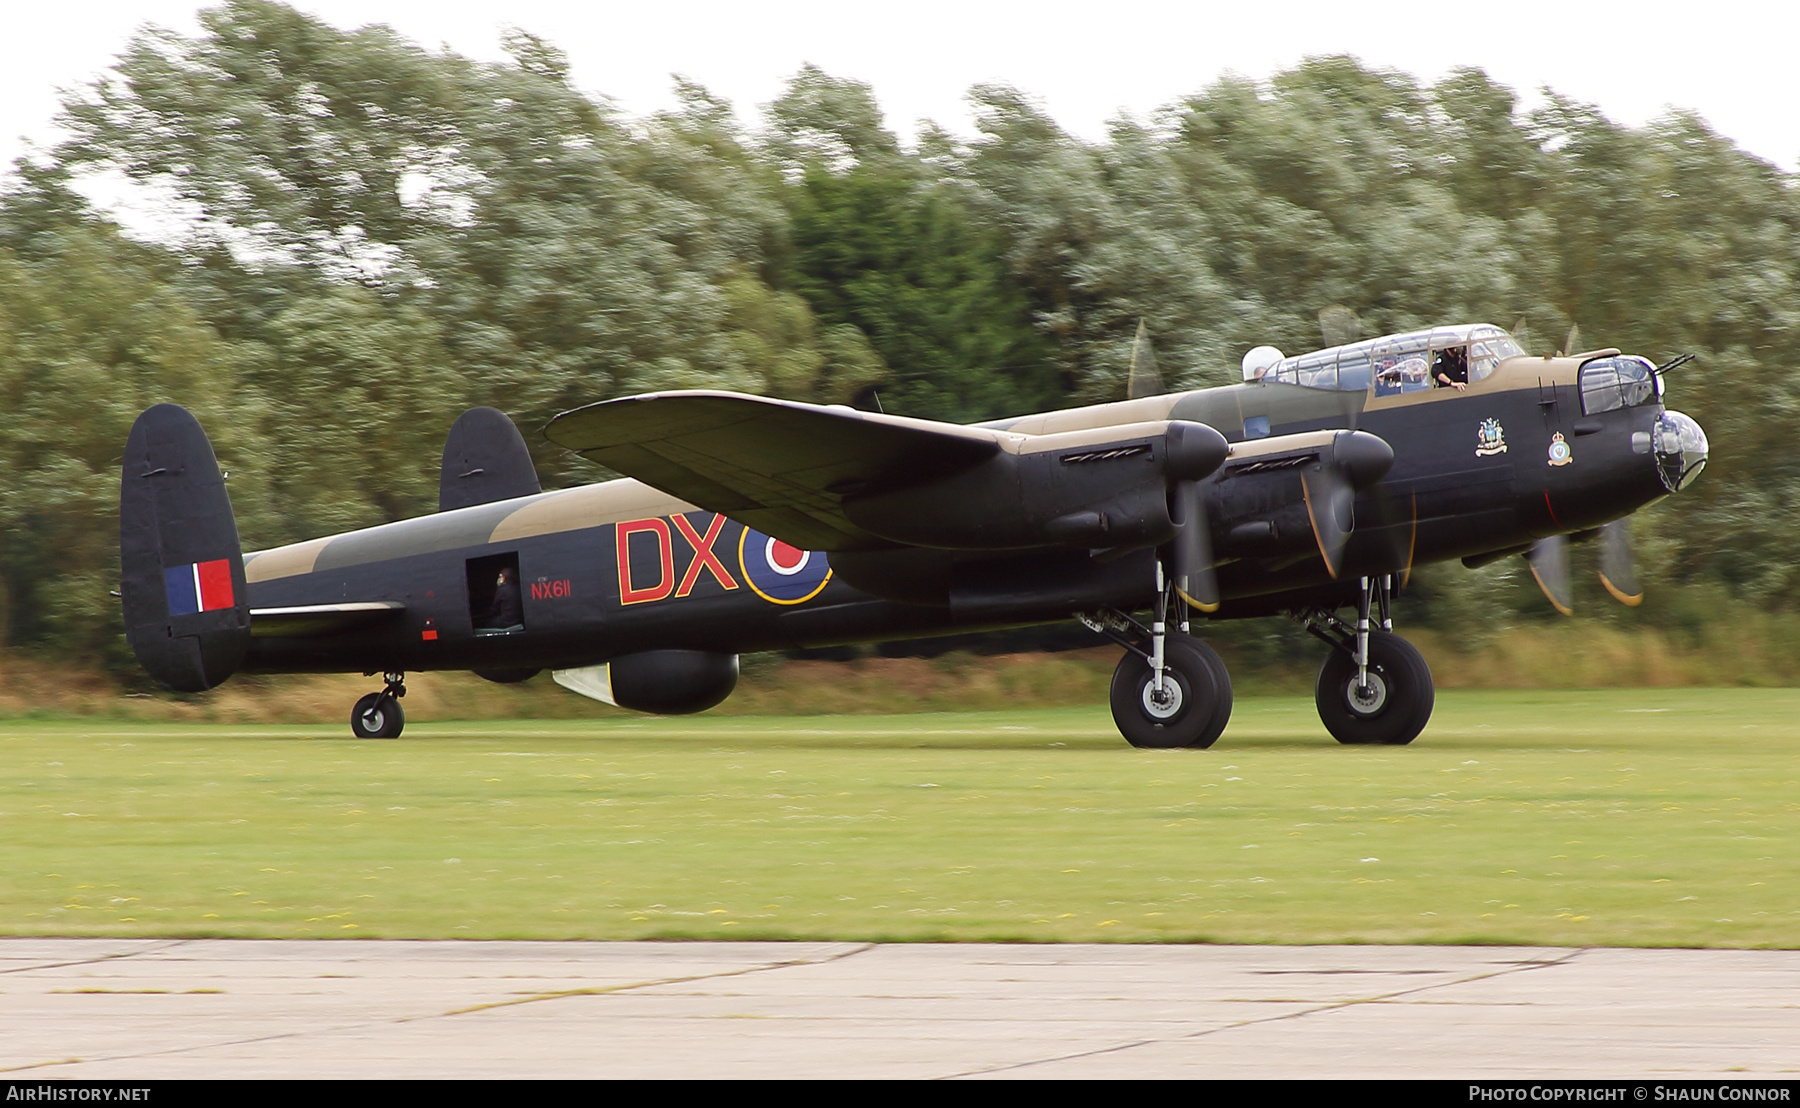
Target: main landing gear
378,715
1170,689
1374,686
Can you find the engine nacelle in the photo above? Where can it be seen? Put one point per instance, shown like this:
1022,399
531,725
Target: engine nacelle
1258,501
662,682
1106,487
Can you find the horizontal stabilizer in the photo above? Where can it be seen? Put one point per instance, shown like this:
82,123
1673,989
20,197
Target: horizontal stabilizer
782,467
593,682
314,620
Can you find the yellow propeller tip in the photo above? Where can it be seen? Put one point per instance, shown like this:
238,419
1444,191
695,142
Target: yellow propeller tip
1195,604
1548,595
1630,600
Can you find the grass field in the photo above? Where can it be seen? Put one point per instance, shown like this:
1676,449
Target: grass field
1613,817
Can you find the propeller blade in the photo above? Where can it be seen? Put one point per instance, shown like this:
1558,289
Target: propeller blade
1618,572
1549,562
1521,333
1406,543
1574,340
1338,325
1355,460
1195,579
1396,531
1143,380
1330,503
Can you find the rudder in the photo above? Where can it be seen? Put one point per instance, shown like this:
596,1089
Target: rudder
187,609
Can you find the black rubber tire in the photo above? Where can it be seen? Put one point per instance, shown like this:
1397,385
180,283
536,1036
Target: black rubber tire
1404,706
1205,688
377,716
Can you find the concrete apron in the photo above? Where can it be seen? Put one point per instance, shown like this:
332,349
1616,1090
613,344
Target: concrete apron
144,1008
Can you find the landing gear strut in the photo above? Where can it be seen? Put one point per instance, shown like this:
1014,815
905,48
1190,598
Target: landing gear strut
1374,686
1170,689
378,715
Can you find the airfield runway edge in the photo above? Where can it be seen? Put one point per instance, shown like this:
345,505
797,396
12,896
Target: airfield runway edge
146,1008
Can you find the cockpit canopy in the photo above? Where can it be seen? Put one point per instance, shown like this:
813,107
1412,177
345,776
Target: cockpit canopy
1393,364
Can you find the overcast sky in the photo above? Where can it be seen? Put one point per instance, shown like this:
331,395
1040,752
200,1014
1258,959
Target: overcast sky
1729,60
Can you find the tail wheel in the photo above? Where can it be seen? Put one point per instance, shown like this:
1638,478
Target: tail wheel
377,716
1190,710
1391,708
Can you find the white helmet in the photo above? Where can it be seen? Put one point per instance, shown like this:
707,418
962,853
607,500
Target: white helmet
1259,361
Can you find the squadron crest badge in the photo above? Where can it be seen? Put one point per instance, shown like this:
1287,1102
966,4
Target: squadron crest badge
1490,438
1560,455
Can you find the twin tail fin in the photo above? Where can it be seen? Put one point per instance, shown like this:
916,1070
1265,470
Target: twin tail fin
187,610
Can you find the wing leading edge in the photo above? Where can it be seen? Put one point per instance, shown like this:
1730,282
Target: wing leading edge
782,467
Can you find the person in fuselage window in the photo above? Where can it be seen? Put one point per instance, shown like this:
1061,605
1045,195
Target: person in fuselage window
507,613
1451,368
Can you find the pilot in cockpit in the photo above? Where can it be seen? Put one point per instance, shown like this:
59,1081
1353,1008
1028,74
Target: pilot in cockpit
1450,369
1402,373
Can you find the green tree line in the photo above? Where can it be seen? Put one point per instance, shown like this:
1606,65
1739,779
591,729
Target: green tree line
375,236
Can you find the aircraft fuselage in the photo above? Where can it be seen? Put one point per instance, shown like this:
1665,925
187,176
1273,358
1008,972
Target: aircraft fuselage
619,567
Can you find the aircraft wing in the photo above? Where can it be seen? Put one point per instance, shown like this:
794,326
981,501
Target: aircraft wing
782,467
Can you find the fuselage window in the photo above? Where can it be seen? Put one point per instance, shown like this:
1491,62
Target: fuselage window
495,602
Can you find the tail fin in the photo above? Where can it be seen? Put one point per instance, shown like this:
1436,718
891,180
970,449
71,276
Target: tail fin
187,610
484,460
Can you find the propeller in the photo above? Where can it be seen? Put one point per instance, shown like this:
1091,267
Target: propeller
1549,562
1573,342
1143,380
1195,578
1397,521
1338,325
1618,570
1330,505
1355,460
1194,452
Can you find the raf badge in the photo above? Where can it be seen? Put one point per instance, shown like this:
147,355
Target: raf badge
1490,438
1559,451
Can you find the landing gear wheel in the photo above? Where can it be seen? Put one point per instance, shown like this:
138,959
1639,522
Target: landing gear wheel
377,716
1391,709
1190,710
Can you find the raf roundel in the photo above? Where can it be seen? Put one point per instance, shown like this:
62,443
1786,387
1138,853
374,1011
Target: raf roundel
780,573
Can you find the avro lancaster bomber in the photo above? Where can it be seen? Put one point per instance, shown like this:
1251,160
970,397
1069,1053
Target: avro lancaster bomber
1310,490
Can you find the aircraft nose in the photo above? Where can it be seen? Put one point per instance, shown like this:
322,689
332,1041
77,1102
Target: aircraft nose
1680,447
